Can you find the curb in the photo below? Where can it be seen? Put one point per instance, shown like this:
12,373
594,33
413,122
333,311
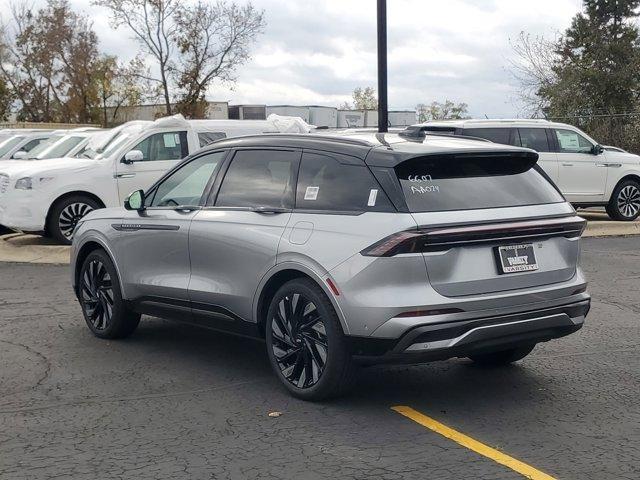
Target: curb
22,248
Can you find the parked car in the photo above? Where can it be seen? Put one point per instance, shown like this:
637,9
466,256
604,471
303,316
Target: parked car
340,250
51,196
21,143
59,145
587,173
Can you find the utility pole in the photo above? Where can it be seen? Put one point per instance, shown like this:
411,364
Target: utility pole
383,110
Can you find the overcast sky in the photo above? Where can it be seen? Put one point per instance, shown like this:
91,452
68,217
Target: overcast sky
318,51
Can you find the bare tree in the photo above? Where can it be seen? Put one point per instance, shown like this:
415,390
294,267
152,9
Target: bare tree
151,22
532,68
213,40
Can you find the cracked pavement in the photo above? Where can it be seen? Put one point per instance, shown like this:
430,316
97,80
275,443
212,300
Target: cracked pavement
177,402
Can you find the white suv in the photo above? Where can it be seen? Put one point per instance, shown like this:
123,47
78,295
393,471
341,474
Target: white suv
52,195
587,173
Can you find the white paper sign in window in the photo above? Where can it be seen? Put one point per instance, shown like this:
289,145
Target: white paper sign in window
568,141
169,140
311,193
373,194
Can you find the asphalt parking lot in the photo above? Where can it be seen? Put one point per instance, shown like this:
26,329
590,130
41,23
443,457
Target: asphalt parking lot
177,402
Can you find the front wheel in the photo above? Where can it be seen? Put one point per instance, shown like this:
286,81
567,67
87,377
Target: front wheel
104,310
624,204
305,343
503,357
65,215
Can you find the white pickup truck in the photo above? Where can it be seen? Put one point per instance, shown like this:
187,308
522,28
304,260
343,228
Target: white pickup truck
51,196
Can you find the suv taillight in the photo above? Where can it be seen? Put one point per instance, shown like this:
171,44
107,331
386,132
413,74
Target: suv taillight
443,238
401,242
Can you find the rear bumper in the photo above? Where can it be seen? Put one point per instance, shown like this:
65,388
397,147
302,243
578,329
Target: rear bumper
440,341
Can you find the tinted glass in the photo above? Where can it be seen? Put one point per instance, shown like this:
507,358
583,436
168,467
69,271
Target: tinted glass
495,135
572,142
534,138
326,184
465,183
9,144
186,185
31,144
259,178
58,149
163,146
205,138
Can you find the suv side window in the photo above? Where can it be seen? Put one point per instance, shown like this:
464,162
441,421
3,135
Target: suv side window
186,185
572,142
535,139
164,146
326,184
260,178
205,138
31,144
506,136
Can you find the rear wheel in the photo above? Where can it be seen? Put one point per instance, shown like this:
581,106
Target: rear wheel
503,357
625,201
305,343
101,299
65,215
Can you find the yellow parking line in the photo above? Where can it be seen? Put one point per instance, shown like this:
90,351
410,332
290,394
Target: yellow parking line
478,447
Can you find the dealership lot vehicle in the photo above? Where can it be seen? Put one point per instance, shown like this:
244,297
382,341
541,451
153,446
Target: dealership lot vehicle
588,174
52,195
365,248
60,144
21,143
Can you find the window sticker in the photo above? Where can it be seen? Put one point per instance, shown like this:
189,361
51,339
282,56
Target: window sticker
311,193
373,194
568,140
169,140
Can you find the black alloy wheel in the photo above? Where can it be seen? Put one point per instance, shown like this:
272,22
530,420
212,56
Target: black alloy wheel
103,308
306,345
96,293
299,340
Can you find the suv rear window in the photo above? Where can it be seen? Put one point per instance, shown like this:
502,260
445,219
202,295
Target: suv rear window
466,182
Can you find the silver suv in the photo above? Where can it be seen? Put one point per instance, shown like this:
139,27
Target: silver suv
359,249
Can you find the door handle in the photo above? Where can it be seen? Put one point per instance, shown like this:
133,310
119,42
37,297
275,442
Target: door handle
567,164
269,210
124,175
186,209
602,165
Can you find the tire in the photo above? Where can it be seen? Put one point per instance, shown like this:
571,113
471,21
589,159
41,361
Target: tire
504,357
310,359
624,204
66,213
100,297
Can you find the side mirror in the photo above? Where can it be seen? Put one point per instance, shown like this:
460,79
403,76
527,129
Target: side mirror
133,156
21,155
135,201
597,149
